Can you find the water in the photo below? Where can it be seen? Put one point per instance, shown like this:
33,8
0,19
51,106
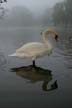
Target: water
46,85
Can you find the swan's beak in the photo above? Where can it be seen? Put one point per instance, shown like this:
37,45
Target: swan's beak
56,37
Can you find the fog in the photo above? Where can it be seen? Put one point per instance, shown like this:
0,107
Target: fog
36,12
33,5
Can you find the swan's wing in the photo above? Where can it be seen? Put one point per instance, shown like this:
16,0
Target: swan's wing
31,47
30,50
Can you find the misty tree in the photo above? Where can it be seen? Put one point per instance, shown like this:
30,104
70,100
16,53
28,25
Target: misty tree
69,11
59,13
2,10
47,17
18,16
2,1
22,16
62,14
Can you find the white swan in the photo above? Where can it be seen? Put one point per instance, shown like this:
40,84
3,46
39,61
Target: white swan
34,50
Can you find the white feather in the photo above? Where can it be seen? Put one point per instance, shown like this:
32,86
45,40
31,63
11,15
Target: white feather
34,50
14,54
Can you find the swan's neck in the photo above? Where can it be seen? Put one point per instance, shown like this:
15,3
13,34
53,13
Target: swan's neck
47,42
45,39
45,35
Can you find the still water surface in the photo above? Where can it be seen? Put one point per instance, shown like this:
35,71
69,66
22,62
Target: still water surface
46,85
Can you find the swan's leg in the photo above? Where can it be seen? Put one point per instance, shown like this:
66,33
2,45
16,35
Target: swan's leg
33,62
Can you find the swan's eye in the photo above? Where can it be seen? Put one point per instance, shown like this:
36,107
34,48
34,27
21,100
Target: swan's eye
56,37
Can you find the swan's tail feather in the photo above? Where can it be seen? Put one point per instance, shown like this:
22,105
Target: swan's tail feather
14,54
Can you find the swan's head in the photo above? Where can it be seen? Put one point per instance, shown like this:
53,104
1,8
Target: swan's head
50,31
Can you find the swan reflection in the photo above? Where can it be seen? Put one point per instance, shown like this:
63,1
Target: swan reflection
36,74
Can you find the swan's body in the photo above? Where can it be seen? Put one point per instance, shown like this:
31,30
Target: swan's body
34,50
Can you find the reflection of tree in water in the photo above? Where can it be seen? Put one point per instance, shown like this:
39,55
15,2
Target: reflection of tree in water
36,74
2,62
66,46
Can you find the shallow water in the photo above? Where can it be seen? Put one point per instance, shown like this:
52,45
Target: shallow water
46,85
